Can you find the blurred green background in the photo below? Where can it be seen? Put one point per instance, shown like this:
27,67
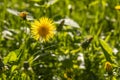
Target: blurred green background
87,35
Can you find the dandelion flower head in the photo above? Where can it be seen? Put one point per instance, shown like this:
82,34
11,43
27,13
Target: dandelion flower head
43,29
117,7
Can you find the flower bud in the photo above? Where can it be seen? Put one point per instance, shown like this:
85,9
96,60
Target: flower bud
108,66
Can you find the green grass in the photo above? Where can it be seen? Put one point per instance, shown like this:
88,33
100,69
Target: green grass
97,38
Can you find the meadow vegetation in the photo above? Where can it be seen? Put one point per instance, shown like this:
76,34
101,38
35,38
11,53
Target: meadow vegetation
59,40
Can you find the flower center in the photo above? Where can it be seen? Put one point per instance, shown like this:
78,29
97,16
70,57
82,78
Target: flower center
43,31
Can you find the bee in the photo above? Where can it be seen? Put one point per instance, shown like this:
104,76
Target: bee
24,14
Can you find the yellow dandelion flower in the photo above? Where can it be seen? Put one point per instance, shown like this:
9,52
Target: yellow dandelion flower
43,29
117,7
68,74
108,66
65,76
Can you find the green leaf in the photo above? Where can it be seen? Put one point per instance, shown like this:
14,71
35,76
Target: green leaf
106,50
10,57
13,68
108,37
31,59
113,78
93,3
106,47
35,0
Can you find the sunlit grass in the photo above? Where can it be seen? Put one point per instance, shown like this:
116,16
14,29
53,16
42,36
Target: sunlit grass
76,40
